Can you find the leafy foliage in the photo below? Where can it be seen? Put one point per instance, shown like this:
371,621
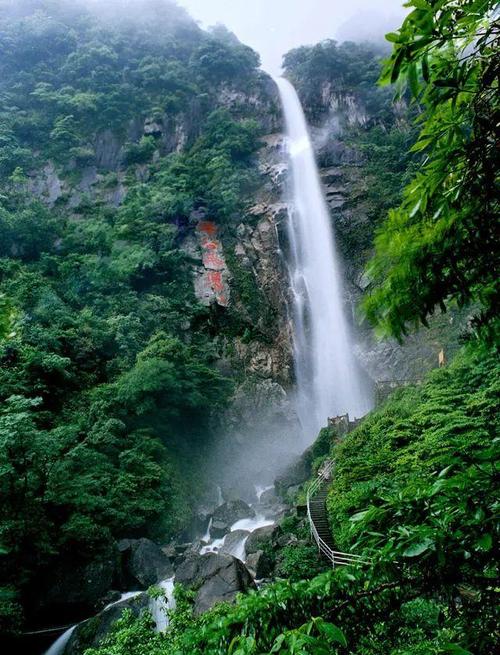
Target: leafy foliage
68,74
441,245
414,490
107,379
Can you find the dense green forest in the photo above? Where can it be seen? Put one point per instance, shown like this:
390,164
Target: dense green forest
109,375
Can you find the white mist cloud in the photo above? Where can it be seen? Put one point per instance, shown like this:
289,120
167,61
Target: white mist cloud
272,27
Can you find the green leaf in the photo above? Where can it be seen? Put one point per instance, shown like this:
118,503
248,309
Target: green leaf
393,37
454,649
425,68
420,4
333,633
396,66
413,80
418,548
485,542
359,516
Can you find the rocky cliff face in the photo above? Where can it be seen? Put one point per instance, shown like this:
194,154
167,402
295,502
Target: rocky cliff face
237,267
259,277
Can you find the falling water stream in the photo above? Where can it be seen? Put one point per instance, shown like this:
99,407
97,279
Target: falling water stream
329,381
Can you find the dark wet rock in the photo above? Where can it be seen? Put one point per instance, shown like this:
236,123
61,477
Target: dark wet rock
90,633
170,550
180,549
286,540
261,537
232,511
218,529
143,564
260,564
111,597
214,578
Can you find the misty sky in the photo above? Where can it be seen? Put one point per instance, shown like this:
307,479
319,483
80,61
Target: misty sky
274,26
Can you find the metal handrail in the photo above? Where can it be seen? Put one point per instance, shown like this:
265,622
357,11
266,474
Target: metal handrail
336,557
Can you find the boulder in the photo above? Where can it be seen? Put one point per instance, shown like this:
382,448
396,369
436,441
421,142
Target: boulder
214,578
260,537
218,529
111,597
89,634
259,564
143,564
232,511
286,540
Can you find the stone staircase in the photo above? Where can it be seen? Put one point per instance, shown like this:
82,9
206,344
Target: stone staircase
319,515
318,519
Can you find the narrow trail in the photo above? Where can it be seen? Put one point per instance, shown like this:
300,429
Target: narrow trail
317,515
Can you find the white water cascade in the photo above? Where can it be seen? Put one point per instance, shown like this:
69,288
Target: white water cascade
59,645
329,382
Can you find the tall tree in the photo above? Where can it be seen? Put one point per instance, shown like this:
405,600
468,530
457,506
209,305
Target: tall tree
441,245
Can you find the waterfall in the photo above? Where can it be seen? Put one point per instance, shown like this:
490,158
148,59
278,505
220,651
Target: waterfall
59,646
159,607
329,381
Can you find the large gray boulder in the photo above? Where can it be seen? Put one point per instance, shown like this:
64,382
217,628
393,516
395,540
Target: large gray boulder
218,529
143,564
232,511
233,543
259,538
214,578
260,565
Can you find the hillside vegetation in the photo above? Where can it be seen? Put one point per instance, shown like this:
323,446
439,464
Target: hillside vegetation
414,491
111,371
107,379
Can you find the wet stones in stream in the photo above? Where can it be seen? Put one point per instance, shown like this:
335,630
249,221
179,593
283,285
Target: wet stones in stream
227,514
234,543
215,577
260,564
262,537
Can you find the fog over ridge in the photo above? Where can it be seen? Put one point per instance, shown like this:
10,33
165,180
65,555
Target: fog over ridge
271,27
274,27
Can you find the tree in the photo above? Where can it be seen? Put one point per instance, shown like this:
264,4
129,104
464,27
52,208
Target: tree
441,245
5,317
